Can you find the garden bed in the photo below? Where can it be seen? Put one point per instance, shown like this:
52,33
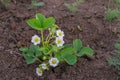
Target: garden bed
96,32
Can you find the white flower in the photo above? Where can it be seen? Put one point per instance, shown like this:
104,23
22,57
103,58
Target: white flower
35,39
53,62
60,33
44,66
59,41
39,72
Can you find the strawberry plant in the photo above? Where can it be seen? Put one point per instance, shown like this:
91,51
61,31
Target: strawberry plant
51,50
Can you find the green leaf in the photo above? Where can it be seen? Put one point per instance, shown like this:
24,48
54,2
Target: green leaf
45,50
35,24
39,4
58,56
55,48
49,22
30,60
24,49
31,53
86,51
41,18
66,52
117,46
38,53
112,14
77,44
34,50
117,1
71,60
68,45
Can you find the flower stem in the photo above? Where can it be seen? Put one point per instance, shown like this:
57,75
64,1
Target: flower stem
42,37
48,36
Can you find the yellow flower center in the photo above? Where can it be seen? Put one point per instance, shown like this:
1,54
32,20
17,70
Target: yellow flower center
60,33
39,70
59,41
36,39
54,61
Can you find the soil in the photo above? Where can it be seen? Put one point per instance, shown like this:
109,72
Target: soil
95,31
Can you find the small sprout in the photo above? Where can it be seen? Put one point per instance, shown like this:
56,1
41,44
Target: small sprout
59,41
35,40
39,71
60,33
53,62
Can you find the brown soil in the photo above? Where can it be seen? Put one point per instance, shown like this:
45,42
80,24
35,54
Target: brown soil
96,32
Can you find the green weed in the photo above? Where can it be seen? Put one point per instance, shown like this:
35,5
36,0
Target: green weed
112,11
35,4
5,3
73,7
115,60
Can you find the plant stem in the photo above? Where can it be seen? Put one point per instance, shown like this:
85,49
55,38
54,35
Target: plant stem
37,59
42,37
50,52
48,36
51,37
